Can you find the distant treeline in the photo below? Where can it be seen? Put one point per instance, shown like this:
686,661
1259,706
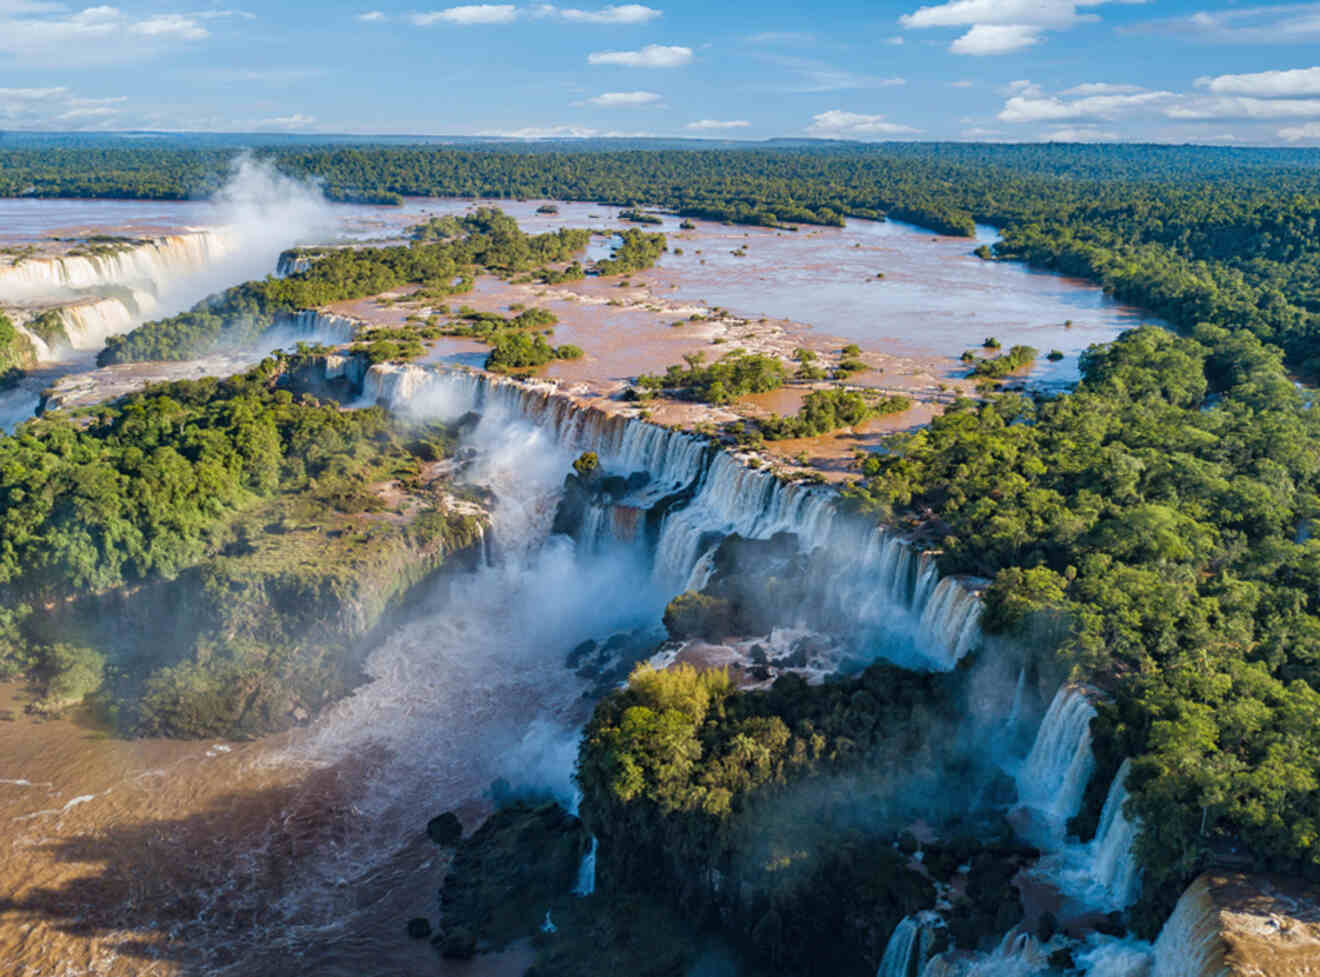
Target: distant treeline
1196,234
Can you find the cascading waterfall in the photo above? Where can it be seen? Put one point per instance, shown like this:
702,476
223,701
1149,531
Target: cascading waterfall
909,946
87,325
898,960
874,576
951,617
1191,943
1113,862
586,880
146,265
1054,776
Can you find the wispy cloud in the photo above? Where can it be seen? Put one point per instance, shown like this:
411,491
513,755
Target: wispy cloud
714,124
627,13
49,33
1292,23
371,17
1268,84
839,124
56,108
296,121
533,133
468,15
1307,132
810,76
651,56
1080,134
611,100
1102,88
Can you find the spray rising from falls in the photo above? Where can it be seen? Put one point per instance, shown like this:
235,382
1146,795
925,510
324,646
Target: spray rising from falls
690,496
256,215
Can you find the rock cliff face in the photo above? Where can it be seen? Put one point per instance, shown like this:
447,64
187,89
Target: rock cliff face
1236,925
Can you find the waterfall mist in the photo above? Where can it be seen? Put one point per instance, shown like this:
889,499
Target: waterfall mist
259,213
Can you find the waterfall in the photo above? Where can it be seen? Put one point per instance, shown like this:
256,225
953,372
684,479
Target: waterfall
149,265
89,324
313,326
1054,776
1191,944
869,575
910,945
1114,865
586,880
898,959
1109,956
1018,954
951,617
1019,698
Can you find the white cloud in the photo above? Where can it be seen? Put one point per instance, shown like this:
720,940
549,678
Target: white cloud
1038,13
711,124
839,124
651,56
170,25
611,100
469,14
986,39
1002,26
1297,81
1244,108
1292,23
1102,88
562,132
49,33
295,121
1081,134
1027,108
781,37
628,13
896,40
1022,87
1306,131
56,108
962,84
371,17
979,134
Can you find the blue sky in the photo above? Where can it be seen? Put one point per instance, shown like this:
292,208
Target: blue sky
1020,70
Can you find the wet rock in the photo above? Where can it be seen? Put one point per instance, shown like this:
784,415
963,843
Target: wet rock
459,944
1046,927
419,928
1062,960
579,654
445,829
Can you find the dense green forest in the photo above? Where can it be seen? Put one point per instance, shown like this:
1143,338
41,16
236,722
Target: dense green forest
246,510
1155,524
